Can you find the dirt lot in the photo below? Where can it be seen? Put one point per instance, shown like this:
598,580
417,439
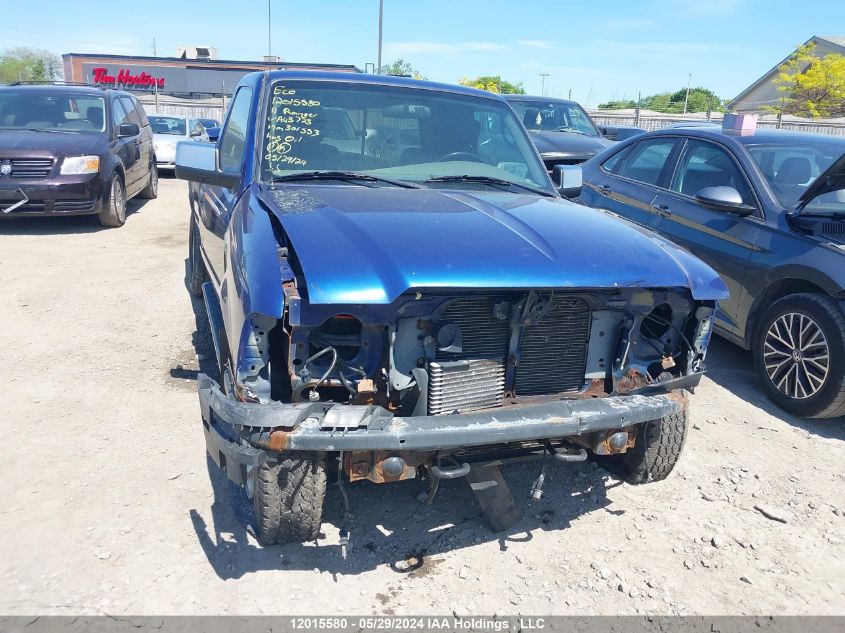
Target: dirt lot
108,505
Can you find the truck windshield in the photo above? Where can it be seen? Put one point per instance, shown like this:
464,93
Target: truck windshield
397,132
49,111
553,116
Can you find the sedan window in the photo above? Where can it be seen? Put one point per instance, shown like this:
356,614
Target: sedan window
704,164
790,169
646,161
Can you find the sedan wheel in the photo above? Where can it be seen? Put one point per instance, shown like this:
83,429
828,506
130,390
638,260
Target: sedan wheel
799,351
797,355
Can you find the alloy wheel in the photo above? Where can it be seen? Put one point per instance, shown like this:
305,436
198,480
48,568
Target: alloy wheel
797,355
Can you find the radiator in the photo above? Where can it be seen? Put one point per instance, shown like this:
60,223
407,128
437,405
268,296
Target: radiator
553,355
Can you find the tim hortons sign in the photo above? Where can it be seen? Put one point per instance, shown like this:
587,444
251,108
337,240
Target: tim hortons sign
126,79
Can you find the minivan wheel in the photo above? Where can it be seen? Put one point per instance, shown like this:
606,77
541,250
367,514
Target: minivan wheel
150,192
798,352
114,211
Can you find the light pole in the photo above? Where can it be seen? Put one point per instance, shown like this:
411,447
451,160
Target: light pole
686,99
269,37
380,20
543,83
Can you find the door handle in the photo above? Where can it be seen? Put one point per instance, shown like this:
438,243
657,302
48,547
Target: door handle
662,209
603,190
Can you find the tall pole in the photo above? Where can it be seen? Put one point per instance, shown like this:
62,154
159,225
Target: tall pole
543,84
380,20
269,36
686,99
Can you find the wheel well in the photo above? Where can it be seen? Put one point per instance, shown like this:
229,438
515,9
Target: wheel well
771,293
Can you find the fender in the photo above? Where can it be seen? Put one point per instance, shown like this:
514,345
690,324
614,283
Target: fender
252,282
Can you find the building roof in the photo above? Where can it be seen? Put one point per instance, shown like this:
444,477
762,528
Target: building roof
837,41
214,62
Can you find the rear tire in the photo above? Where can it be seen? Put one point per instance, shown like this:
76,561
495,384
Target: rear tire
150,192
653,457
798,353
196,275
114,211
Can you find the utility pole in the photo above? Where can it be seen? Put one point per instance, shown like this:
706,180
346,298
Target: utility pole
269,34
570,94
380,20
686,99
543,83
637,110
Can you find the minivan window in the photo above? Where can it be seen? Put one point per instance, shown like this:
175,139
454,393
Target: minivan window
645,162
233,137
133,117
53,111
118,114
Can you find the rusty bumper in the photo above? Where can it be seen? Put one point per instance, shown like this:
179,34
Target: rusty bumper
262,428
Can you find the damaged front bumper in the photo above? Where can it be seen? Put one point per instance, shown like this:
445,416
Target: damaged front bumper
323,426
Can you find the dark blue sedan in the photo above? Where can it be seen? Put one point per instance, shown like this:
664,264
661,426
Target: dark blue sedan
766,210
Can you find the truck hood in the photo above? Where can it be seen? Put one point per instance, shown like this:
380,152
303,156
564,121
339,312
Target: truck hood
568,144
371,244
52,143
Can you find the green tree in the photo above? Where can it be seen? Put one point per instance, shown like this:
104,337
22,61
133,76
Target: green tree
813,86
401,68
618,105
28,64
493,84
700,100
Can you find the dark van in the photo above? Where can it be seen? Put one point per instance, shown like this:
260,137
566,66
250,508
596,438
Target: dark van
73,150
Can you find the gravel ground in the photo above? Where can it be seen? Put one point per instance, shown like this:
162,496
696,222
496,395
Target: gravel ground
109,504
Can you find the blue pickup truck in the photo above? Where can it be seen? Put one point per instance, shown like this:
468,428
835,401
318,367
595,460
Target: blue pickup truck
428,312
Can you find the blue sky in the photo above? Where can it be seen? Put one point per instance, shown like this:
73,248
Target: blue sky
599,50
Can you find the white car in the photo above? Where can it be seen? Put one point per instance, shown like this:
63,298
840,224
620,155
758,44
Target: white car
169,130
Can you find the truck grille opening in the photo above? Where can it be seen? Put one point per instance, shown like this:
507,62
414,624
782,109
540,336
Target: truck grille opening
554,351
473,378
553,355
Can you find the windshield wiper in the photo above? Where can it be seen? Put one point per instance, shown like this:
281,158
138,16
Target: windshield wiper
571,129
343,176
44,129
489,180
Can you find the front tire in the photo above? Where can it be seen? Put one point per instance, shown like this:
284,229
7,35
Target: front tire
798,353
196,275
657,449
288,497
114,212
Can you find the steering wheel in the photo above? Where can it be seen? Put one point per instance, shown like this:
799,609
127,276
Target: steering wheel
461,156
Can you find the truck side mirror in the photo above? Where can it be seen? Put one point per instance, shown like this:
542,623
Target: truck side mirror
568,179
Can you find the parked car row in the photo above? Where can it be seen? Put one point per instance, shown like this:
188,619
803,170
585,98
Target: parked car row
396,287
